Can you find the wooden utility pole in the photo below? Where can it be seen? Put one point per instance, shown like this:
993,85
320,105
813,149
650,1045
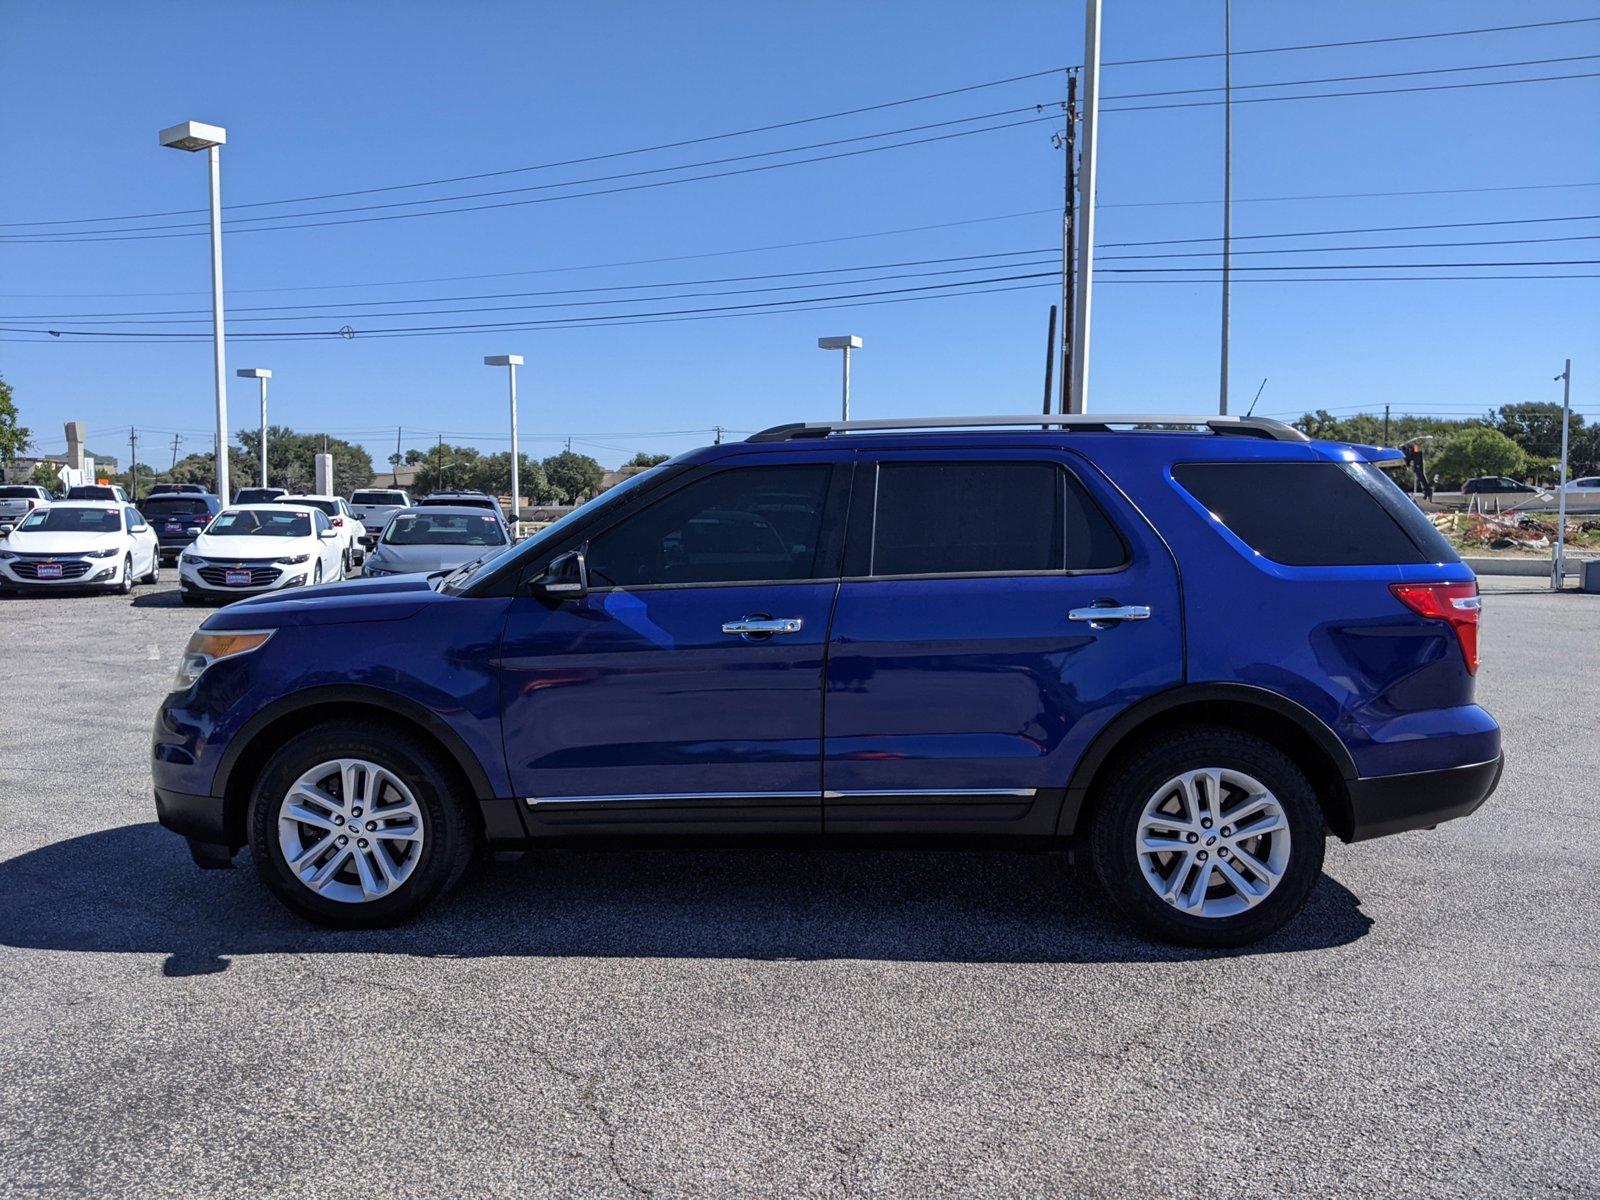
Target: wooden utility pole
1068,230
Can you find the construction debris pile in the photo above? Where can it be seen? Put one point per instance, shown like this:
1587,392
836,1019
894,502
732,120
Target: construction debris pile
1513,531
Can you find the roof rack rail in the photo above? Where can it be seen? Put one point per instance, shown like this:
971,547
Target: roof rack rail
1259,427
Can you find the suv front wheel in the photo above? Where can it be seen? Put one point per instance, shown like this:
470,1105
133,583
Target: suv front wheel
1209,838
353,825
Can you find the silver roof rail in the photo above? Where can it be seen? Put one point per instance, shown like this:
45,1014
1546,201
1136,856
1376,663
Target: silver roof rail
1259,427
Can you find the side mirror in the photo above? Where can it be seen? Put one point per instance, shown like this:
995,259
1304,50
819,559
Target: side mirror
197,531
139,528
328,534
5,530
566,578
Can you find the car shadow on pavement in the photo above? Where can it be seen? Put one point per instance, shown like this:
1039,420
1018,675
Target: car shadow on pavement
134,890
167,598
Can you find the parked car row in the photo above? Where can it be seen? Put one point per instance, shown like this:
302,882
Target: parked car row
228,552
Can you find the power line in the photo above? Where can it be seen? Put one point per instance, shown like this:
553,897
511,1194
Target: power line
789,124
289,221
346,310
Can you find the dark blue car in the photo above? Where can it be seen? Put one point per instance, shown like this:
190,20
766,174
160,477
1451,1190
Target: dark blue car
177,517
1185,654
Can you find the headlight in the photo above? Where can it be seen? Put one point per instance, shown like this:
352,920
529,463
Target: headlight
372,570
289,562
102,553
194,560
6,555
205,648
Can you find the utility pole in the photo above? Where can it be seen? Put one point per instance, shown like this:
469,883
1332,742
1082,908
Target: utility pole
1385,424
1227,196
133,464
1559,559
397,461
1078,398
718,429
177,440
1068,224
1049,363
438,464
569,445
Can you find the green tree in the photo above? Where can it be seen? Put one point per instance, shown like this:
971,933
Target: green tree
1479,451
1535,426
14,438
573,476
202,469
645,459
47,476
291,460
444,468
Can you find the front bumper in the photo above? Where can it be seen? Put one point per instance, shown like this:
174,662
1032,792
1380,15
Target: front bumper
94,573
1395,803
189,577
199,820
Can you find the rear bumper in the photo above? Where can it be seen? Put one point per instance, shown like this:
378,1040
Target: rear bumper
1395,803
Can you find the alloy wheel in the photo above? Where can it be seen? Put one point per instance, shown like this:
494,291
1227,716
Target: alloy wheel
350,830
1213,842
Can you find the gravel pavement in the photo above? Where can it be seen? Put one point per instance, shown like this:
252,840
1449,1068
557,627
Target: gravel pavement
785,1023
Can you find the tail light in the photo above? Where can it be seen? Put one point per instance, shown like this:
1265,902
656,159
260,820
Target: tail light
1456,603
336,520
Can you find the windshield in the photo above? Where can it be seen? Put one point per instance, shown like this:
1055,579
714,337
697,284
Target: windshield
443,529
18,493
460,502
74,520
378,498
91,491
257,495
245,523
168,505
331,507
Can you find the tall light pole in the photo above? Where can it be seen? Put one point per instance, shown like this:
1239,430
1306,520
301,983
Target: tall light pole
847,344
1559,558
263,375
193,136
511,362
1078,396
1227,198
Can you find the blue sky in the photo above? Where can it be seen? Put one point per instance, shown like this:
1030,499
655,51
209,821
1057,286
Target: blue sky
321,98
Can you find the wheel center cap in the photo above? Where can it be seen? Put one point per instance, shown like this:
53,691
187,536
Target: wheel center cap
1210,841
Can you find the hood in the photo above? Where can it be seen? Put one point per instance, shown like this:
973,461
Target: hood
64,542
330,604
423,558
257,548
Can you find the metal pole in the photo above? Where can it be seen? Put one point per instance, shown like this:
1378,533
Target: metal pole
1049,363
847,383
1385,421
133,464
516,478
263,380
1078,399
1068,231
217,335
1559,559
1227,196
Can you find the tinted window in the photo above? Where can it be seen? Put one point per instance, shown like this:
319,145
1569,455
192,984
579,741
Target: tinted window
74,520
1316,514
169,505
743,525
331,507
962,518
461,502
18,493
378,498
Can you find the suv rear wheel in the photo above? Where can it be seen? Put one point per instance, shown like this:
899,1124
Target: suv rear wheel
352,825
1209,838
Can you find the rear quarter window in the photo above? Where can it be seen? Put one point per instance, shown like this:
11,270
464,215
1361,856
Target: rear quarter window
1316,514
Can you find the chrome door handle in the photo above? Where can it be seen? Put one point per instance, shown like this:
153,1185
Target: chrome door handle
763,626
1097,614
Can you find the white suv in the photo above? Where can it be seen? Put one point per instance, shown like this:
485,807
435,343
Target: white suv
255,548
342,519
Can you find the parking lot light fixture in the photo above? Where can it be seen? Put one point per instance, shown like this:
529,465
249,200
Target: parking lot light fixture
847,344
263,375
511,362
194,136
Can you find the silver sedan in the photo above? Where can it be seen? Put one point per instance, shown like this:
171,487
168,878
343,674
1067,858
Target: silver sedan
435,539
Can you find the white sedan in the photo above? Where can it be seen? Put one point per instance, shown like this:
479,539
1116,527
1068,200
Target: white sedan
79,544
254,548
1584,491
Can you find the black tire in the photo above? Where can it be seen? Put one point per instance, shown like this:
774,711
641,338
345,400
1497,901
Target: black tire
155,570
345,565
316,574
1120,802
126,586
449,838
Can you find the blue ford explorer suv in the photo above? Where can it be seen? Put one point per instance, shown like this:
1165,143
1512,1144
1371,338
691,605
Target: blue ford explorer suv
1185,653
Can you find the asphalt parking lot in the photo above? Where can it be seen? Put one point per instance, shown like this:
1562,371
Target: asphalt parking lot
727,1023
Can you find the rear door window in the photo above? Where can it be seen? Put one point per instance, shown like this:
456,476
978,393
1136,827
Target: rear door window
1316,514
987,518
